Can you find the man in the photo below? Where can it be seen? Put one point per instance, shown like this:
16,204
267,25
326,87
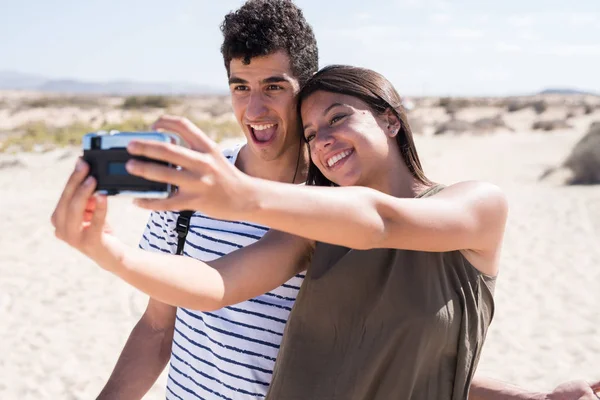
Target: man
269,50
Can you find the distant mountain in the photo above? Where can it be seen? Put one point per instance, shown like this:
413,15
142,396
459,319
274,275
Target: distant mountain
567,91
16,80
10,80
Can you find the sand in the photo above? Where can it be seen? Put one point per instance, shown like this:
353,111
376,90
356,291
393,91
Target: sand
65,321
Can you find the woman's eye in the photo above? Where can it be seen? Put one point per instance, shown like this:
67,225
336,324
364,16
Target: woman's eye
310,137
336,119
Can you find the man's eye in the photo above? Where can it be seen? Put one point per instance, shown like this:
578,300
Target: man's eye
240,88
274,87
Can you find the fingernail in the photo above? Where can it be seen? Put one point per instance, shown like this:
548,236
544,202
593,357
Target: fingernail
88,181
130,166
132,145
80,165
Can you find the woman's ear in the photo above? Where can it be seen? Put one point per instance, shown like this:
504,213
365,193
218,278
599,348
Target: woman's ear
393,123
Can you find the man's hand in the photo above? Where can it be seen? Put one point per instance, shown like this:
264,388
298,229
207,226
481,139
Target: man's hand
79,218
575,390
206,181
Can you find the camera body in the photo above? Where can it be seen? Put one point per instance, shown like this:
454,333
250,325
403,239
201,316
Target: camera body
106,153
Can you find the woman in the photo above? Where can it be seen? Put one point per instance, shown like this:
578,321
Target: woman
398,293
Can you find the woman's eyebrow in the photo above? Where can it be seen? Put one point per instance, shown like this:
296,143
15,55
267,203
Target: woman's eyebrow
325,112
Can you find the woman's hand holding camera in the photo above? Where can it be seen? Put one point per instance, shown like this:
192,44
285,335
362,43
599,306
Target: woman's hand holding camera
206,181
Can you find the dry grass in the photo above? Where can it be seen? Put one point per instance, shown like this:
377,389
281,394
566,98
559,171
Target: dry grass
39,135
141,102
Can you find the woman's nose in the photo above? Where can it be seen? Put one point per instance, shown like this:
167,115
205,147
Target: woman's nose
323,140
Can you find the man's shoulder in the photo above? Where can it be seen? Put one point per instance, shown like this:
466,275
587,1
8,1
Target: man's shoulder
231,151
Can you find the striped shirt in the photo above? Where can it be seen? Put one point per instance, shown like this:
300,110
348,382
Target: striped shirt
229,353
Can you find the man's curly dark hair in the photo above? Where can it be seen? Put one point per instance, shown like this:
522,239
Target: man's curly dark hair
262,27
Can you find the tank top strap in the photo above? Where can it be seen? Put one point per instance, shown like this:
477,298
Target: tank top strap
430,191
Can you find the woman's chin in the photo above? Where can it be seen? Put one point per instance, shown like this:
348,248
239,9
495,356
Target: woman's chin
344,180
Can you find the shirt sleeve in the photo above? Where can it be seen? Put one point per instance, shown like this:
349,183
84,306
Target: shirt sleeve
159,234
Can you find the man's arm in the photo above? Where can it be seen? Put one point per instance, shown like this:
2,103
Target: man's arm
491,389
145,354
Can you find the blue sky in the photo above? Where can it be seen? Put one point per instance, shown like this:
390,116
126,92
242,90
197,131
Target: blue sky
442,47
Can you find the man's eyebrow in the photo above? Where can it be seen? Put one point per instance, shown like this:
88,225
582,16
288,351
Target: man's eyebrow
275,79
235,79
325,112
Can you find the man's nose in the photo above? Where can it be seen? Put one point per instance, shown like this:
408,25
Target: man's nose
257,107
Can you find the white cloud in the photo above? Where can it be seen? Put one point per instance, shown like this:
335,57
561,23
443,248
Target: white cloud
421,4
529,36
465,49
583,18
521,21
440,18
492,75
481,18
568,50
363,16
465,33
504,47
373,36
184,18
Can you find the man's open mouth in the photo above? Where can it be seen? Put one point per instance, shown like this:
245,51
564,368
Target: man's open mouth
263,133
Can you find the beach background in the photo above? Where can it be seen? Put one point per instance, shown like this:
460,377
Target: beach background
65,321
506,92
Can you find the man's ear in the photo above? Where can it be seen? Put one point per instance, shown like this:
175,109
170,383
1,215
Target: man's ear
393,123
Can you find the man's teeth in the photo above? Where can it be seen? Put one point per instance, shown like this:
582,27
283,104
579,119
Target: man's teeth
333,160
261,127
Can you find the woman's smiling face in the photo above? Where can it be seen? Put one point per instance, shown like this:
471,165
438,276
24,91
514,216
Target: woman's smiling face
348,141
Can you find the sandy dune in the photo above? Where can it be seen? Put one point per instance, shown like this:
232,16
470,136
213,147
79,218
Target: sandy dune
64,320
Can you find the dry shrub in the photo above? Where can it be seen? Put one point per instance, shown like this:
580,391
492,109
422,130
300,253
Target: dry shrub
490,124
453,126
584,160
219,130
39,134
453,105
62,101
417,125
588,109
550,125
219,108
137,102
539,106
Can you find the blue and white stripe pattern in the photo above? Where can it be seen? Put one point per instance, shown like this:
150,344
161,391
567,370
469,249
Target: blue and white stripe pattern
228,353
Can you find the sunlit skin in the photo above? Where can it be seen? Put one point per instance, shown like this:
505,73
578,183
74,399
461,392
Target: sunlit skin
337,125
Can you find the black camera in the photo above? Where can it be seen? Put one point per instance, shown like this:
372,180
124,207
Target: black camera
106,153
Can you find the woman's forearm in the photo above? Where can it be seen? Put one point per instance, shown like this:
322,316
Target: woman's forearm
345,216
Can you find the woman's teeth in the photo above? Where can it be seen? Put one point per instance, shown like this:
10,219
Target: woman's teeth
335,159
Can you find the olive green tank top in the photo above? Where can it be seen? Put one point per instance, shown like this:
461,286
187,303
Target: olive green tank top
384,324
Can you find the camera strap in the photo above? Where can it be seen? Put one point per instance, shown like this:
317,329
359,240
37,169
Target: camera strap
182,227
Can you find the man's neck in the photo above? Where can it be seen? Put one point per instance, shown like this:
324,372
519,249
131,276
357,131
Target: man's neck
291,165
